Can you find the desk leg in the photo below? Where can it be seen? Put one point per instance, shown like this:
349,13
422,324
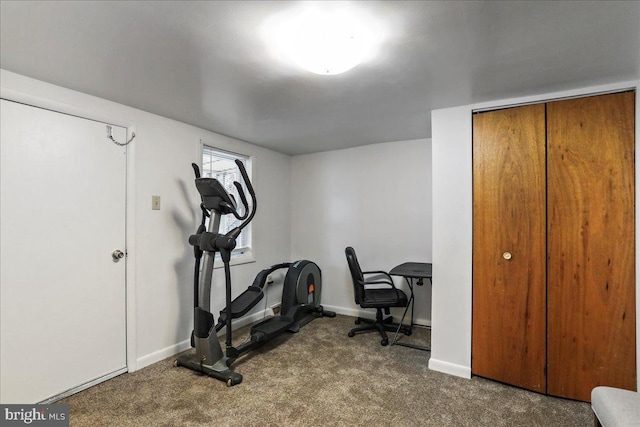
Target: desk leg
404,314
416,346
412,303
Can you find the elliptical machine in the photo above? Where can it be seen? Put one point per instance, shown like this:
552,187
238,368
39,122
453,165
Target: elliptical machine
300,295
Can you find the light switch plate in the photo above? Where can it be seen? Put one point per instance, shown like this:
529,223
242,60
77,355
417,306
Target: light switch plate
155,203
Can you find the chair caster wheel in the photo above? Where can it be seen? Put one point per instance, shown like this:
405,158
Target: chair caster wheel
385,341
351,334
408,332
357,322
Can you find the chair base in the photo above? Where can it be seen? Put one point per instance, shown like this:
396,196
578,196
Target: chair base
381,325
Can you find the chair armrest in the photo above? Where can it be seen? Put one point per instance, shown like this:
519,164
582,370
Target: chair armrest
378,278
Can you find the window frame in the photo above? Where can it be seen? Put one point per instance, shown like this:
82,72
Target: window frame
246,253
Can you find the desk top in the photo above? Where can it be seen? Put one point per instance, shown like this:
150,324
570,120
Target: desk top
417,270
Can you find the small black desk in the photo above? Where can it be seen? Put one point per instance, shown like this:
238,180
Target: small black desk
411,271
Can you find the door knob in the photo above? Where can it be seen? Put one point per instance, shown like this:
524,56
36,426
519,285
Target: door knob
506,255
117,255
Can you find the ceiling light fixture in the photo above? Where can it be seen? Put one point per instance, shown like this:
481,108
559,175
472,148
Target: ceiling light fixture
325,38
328,43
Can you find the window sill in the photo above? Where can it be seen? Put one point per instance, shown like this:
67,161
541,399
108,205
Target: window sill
243,258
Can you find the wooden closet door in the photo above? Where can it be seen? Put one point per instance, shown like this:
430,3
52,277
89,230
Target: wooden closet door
591,233
509,191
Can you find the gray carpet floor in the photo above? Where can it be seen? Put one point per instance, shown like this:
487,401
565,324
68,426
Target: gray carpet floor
320,377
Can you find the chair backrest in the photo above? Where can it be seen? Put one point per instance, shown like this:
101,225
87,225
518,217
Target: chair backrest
356,274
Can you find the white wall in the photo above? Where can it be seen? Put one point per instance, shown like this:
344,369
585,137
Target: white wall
452,225
452,231
376,198
160,261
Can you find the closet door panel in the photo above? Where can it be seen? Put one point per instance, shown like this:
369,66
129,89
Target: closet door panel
509,190
591,251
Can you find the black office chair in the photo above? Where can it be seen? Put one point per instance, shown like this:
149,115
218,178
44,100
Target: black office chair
377,291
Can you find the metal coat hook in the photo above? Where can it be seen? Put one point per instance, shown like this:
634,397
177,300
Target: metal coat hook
121,144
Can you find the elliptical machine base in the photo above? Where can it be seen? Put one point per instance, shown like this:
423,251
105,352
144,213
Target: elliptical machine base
220,370
300,305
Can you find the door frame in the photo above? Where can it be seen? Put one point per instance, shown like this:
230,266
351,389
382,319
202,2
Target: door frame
49,103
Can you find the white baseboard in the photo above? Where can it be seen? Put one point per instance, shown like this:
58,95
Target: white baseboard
371,314
343,310
449,368
162,354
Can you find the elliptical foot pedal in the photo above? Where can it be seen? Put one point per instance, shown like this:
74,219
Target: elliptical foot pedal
270,328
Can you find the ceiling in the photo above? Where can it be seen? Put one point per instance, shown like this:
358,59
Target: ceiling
209,63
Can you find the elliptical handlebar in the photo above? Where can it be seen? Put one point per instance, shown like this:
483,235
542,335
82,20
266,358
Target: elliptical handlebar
245,177
196,170
244,202
216,198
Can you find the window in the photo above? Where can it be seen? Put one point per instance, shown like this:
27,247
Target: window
221,166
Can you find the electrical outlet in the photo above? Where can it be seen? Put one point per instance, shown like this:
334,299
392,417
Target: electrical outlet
269,279
155,203
276,308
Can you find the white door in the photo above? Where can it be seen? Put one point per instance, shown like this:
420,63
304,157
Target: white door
62,295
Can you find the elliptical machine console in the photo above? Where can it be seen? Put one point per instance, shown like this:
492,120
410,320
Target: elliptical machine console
300,295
